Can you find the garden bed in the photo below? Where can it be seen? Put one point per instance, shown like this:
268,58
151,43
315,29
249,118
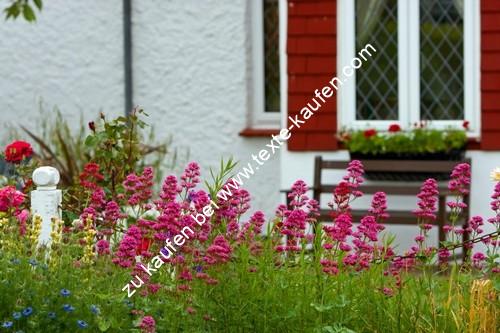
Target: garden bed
119,264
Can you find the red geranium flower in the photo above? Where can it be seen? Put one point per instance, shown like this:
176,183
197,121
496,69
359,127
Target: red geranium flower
18,151
465,124
394,128
370,132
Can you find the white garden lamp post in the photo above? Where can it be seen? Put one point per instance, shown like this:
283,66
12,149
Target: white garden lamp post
46,199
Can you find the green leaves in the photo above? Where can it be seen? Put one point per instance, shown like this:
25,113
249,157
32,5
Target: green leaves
218,179
23,7
413,141
103,324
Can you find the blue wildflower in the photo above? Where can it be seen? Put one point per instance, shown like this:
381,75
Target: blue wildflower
52,315
16,315
65,292
15,261
129,303
198,268
7,324
68,308
28,311
82,324
33,262
94,309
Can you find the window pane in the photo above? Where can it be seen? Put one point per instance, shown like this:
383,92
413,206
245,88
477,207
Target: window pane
271,56
377,80
441,60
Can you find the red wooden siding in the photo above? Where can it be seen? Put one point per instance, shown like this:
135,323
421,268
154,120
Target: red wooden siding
490,74
312,50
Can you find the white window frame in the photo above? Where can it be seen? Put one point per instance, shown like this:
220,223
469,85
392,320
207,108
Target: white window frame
259,118
409,68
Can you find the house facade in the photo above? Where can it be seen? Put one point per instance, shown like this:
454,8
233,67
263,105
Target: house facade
436,61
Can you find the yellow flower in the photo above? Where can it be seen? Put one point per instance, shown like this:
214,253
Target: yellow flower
495,174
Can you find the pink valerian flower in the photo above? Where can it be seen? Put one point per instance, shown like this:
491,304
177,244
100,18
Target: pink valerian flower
313,207
169,220
443,255
388,291
240,201
88,213
91,176
186,275
460,179
379,206
293,227
298,194
138,187
112,213
281,211
232,230
340,229
427,201
459,186
199,200
22,217
191,176
404,263
102,247
495,207
426,212
354,177
154,287
477,260
369,228
253,227
147,325
127,250
347,190
10,199
169,191
98,198
420,238
476,222
219,251
341,200
329,266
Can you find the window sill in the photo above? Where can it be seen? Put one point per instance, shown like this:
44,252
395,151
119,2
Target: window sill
258,132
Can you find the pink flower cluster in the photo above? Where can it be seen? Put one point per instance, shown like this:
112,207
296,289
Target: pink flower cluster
127,250
426,211
293,222
147,325
138,187
10,199
343,245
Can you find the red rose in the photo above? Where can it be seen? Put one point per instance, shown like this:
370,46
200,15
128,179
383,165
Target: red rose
394,128
465,124
18,151
370,132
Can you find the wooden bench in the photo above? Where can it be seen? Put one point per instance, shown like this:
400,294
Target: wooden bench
397,217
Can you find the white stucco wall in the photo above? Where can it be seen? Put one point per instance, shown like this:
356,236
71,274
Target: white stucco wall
191,70
301,165
192,74
70,58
